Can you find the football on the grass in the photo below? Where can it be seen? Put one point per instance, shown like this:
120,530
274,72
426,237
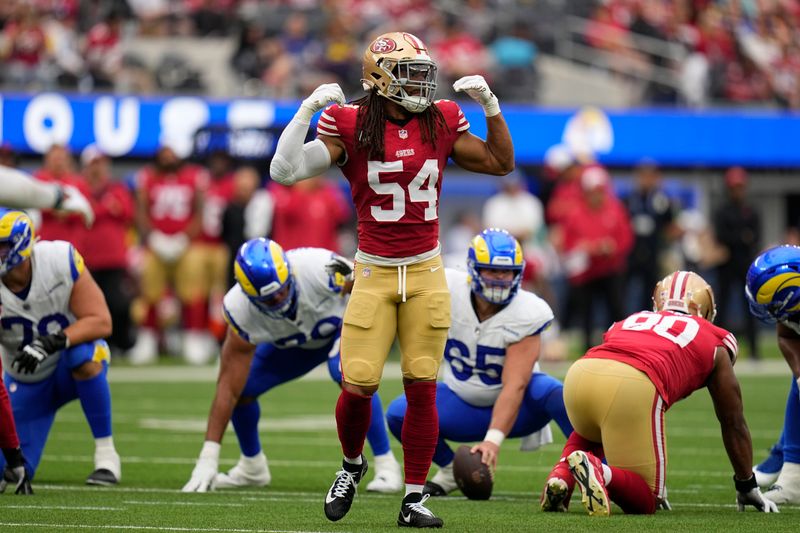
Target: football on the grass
472,476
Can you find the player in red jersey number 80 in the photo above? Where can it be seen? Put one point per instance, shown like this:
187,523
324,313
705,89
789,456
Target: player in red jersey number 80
392,146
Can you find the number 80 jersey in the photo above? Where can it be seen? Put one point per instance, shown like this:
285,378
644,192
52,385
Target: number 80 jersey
675,350
476,351
397,199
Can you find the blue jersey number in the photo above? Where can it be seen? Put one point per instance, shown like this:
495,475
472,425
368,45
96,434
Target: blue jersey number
43,328
326,328
464,366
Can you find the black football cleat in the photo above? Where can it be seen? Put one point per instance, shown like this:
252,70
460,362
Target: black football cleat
433,489
340,496
413,512
102,477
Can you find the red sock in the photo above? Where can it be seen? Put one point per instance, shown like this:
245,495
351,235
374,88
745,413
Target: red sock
353,416
151,318
628,490
194,315
8,431
574,442
420,431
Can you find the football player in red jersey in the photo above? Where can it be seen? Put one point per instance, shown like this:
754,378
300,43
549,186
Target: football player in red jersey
170,198
392,146
616,396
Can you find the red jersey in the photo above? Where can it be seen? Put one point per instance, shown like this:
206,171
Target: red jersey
171,197
60,226
114,210
218,195
397,199
308,217
675,350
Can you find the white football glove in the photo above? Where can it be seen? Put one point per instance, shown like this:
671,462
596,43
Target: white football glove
477,89
169,248
319,99
204,475
75,202
748,493
340,265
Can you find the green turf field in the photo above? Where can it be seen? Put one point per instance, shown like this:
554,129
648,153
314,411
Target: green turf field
159,430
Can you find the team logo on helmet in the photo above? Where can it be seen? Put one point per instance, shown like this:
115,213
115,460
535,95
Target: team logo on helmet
383,45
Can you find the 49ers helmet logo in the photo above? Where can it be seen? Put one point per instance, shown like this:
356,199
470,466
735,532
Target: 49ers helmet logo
383,45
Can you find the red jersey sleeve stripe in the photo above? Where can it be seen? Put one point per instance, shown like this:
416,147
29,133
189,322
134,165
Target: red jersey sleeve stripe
330,119
463,127
322,129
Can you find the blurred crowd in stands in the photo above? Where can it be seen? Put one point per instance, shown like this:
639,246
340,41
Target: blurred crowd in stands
686,52
162,246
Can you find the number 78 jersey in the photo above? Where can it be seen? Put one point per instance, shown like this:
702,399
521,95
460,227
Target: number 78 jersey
675,350
397,199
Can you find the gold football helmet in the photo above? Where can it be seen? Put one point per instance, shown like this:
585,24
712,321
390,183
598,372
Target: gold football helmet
685,292
398,67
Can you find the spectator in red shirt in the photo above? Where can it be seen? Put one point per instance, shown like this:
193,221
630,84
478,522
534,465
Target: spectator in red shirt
24,49
309,214
59,167
103,51
106,253
596,238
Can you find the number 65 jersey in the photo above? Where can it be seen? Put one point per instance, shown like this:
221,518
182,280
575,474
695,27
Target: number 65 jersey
476,351
44,309
675,350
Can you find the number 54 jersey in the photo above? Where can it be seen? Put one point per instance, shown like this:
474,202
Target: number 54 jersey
320,306
397,199
675,350
44,309
476,351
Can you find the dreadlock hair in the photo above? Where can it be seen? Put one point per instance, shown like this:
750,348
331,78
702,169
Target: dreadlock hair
371,123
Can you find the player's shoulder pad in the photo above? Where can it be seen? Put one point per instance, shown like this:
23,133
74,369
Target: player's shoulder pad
237,311
529,314
728,340
455,278
453,115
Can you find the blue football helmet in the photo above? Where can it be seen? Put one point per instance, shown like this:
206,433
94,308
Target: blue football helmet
16,238
263,272
495,249
772,286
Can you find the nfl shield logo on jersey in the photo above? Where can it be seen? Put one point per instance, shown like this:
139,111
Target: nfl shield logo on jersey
403,134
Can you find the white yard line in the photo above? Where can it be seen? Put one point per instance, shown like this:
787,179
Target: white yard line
153,528
62,507
199,504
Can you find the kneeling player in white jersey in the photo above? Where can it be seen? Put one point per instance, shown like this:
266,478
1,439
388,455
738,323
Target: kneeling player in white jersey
284,316
491,387
52,323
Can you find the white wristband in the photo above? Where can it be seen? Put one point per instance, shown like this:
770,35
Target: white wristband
492,107
210,450
495,436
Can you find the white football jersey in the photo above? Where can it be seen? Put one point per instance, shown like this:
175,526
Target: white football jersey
44,309
476,351
320,306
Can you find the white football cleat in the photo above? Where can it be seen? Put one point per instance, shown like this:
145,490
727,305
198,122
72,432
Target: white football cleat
248,472
787,488
107,468
145,351
199,347
388,475
765,479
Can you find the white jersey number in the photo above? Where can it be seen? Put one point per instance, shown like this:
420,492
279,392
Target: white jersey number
421,189
679,329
